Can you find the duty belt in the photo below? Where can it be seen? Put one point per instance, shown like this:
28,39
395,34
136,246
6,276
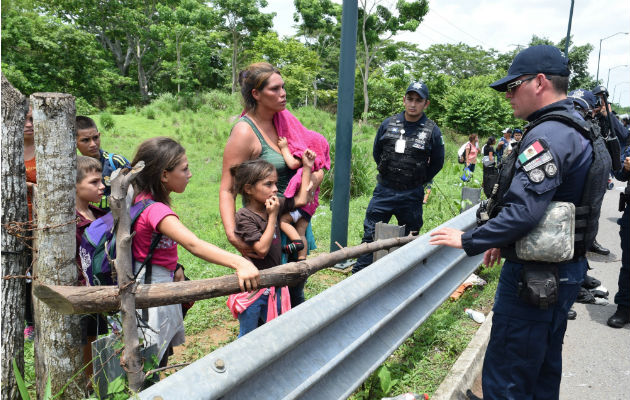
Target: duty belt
396,186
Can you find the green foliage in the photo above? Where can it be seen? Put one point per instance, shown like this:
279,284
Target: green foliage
106,121
473,107
47,395
43,54
460,61
83,107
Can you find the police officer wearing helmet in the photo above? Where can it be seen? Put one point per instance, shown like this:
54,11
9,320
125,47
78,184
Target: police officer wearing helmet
550,167
409,152
586,103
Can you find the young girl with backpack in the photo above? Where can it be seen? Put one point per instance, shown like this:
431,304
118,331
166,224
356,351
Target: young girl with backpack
257,224
166,171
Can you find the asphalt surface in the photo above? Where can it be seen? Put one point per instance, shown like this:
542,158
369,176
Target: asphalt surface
596,358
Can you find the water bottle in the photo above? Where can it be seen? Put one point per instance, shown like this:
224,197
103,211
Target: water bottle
476,316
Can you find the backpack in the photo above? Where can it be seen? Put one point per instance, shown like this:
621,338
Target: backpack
99,242
461,153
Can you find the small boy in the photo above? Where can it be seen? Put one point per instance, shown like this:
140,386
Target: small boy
89,144
89,189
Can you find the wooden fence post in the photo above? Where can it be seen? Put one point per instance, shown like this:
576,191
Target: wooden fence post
130,359
14,108
57,337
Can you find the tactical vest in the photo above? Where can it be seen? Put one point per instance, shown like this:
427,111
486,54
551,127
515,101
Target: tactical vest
406,170
588,210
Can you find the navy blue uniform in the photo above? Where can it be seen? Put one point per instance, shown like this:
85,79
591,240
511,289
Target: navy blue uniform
524,356
622,297
406,204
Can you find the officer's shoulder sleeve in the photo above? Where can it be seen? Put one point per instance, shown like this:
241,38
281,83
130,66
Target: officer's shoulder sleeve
436,134
540,159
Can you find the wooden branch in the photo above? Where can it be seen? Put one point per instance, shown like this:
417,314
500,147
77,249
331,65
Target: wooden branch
130,359
82,300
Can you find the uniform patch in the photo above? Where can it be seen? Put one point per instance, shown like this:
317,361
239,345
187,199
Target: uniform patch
551,170
532,151
536,175
538,161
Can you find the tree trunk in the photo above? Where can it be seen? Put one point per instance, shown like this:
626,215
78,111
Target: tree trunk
178,49
142,77
91,299
130,358
14,109
57,337
315,93
234,61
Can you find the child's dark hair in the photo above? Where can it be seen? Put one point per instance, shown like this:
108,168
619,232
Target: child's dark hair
248,173
159,154
85,165
491,141
85,123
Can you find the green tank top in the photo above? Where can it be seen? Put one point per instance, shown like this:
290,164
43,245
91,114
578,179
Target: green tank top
269,154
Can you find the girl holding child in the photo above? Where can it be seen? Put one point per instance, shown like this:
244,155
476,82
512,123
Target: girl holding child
257,224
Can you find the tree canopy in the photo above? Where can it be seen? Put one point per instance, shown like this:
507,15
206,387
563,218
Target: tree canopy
112,54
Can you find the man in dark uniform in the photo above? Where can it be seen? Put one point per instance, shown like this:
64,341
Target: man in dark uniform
409,152
551,163
600,111
622,316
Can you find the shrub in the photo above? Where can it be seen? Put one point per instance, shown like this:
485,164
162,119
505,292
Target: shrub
83,107
107,121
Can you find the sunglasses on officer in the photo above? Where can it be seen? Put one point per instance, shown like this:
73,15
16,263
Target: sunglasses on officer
513,85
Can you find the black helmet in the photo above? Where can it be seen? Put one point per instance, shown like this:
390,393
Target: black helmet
597,90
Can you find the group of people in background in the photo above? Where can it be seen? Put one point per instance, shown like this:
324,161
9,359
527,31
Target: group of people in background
277,166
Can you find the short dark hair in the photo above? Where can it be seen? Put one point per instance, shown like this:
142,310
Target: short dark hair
491,141
559,83
83,122
248,173
85,165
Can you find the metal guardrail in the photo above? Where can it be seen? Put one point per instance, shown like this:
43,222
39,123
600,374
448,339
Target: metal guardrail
326,347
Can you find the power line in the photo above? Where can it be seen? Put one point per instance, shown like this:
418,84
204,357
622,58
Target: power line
456,27
440,33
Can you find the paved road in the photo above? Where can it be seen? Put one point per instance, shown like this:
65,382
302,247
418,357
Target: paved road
596,358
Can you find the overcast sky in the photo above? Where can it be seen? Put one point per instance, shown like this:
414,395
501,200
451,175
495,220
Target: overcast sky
503,24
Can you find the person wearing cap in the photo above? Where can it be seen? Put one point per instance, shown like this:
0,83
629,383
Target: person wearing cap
523,359
504,147
517,136
409,152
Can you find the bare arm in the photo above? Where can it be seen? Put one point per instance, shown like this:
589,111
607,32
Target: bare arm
262,246
247,273
302,197
491,156
289,160
239,148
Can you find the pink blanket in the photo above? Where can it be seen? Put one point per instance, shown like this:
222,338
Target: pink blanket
238,302
299,139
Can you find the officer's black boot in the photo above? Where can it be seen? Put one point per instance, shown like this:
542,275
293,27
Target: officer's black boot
620,317
572,314
597,248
